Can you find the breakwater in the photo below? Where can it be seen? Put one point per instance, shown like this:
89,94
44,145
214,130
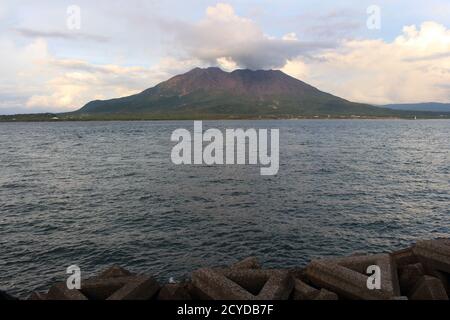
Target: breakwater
421,272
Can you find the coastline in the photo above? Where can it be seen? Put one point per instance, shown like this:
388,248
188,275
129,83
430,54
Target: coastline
112,118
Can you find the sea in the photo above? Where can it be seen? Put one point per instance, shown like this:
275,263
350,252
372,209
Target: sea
96,194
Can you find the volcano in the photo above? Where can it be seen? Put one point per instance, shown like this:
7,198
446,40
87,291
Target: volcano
247,93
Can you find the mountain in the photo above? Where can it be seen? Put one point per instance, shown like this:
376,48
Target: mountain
430,106
246,93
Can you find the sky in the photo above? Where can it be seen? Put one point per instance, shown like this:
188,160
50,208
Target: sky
56,56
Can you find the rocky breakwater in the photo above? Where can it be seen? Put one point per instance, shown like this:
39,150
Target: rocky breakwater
421,272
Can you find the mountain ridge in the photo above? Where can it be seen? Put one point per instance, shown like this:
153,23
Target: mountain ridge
248,92
423,106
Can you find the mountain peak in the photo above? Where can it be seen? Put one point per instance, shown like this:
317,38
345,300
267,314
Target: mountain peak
236,71
241,81
208,69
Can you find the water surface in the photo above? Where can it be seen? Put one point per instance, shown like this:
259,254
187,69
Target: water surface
101,193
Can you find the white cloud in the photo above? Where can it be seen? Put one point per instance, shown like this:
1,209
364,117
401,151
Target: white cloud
415,67
223,12
73,83
290,36
227,63
296,68
22,71
34,80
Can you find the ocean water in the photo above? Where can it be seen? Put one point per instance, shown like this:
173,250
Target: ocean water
101,193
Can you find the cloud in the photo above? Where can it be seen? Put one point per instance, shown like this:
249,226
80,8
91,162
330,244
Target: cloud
33,80
30,33
411,68
2,10
120,51
227,63
222,34
337,23
22,72
435,56
290,36
73,83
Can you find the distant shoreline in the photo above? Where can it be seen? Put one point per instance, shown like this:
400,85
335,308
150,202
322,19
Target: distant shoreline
125,117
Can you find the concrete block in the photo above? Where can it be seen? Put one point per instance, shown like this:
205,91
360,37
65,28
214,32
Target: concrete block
347,276
404,257
114,272
137,288
213,285
356,267
429,288
101,288
278,287
263,284
248,263
243,284
434,254
60,291
251,280
324,294
409,276
443,277
196,293
176,291
39,296
303,291
298,273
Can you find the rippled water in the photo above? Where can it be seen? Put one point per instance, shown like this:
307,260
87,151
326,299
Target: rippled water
102,193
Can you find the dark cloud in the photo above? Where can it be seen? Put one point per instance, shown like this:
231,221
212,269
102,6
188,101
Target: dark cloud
225,35
266,53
